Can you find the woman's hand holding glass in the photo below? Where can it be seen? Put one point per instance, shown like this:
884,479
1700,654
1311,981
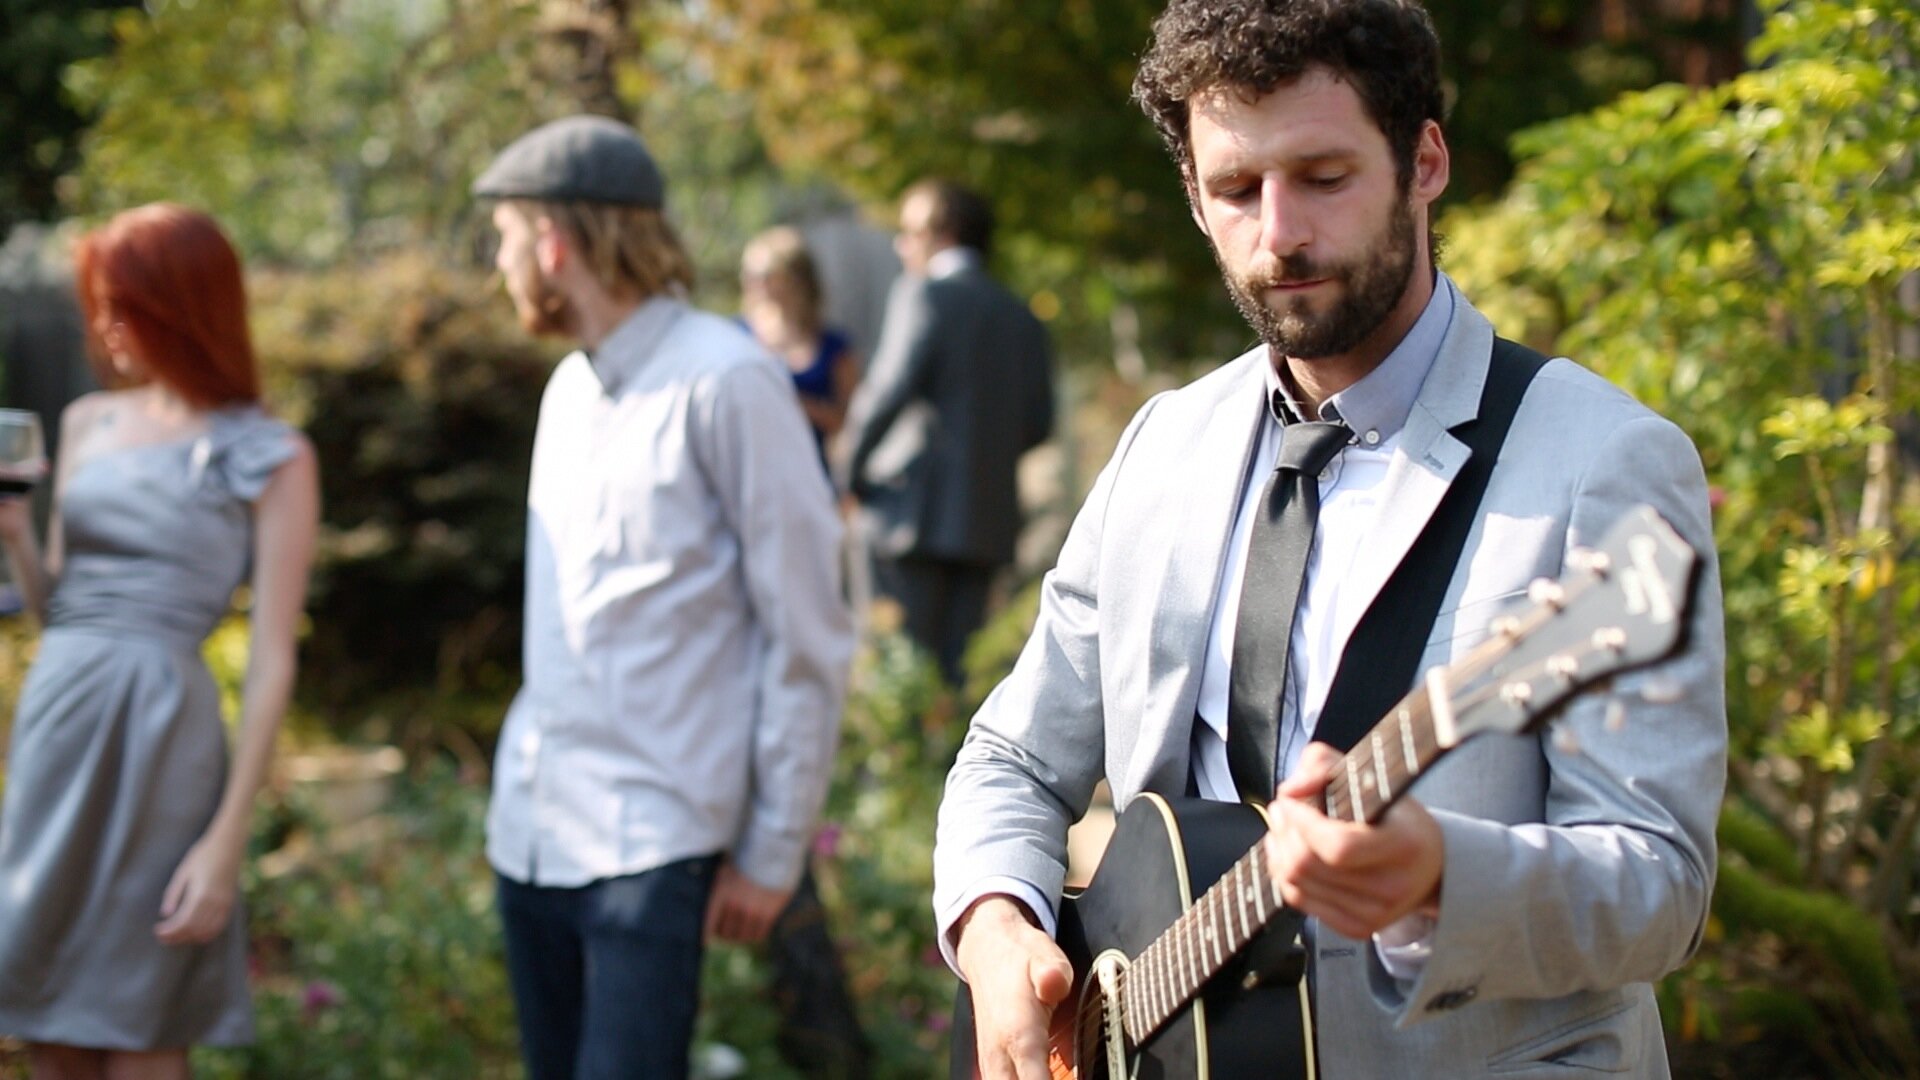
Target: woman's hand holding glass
23,463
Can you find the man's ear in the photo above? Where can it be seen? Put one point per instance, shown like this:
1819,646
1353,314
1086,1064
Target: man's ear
550,247
1432,165
1193,199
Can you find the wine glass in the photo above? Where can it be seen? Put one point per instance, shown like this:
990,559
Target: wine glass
23,453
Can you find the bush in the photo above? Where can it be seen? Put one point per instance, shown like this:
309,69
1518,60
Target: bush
380,958
420,394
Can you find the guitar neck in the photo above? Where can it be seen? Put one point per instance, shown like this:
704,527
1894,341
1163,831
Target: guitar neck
1227,917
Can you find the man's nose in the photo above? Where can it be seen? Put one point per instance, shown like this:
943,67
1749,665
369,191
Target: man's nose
1285,227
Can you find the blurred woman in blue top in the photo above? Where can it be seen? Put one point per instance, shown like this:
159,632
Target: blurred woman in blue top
780,301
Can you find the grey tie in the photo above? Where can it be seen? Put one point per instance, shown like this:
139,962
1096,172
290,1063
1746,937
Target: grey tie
1269,592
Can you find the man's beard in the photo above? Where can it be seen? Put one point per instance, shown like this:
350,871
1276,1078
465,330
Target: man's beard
545,312
1372,284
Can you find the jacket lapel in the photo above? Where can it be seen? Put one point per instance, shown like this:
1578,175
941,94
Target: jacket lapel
1429,458
1207,487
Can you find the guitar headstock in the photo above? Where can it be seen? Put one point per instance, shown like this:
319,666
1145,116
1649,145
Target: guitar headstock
1620,605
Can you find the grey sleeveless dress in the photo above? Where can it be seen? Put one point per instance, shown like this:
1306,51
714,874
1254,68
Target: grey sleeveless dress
119,755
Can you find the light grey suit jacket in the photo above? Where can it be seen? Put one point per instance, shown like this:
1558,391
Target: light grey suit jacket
1573,876
960,386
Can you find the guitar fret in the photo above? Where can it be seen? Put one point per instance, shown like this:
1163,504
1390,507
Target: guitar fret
1141,975
1159,979
1246,896
1380,766
1164,982
1353,785
1216,931
1196,963
1162,975
1179,954
1407,751
1143,971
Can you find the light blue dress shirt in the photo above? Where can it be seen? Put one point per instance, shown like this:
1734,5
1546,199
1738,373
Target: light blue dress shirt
687,645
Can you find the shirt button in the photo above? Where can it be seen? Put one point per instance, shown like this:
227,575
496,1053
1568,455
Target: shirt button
1373,438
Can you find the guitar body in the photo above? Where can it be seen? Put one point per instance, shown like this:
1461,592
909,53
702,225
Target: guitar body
1164,853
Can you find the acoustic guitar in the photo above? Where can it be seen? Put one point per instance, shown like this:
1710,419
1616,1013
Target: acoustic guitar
1187,964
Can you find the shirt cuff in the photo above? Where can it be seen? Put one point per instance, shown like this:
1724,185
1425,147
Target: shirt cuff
1007,886
1405,946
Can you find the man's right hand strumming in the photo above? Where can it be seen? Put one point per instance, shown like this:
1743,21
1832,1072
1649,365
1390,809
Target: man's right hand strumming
1016,975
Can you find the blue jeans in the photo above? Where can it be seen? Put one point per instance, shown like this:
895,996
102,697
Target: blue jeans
606,977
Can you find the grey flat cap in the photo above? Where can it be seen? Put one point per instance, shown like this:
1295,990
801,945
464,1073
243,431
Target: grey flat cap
577,159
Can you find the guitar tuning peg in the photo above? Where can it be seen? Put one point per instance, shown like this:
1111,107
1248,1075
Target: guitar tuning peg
1506,626
1594,562
1565,741
1516,694
1616,714
1548,592
1610,639
1662,690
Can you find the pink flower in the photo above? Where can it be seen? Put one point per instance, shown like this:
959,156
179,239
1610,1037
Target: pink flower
319,996
1716,496
826,842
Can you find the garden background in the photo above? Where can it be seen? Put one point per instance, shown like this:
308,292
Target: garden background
1711,202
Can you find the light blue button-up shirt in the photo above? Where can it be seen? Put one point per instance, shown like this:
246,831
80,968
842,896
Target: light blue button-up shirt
686,642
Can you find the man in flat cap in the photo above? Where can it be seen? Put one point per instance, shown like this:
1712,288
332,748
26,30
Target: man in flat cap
661,771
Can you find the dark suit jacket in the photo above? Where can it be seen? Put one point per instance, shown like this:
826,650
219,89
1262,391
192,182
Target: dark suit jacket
960,386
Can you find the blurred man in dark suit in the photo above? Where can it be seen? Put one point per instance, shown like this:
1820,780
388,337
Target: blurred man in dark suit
961,385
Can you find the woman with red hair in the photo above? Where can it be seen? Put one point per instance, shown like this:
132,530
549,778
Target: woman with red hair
123,827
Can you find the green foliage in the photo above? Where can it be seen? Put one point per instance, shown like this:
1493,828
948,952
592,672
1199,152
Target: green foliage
1747,833
420,394
312,127
1035,110
41,129
1823,929
1743,259
377,955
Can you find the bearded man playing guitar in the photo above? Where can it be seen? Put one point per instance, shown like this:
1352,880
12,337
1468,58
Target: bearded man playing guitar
1510,916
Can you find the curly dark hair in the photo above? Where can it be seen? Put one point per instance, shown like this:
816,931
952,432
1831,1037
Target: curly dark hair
1386,49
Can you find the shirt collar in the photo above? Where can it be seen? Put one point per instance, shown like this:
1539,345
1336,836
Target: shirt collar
950,261
1377,406
627,349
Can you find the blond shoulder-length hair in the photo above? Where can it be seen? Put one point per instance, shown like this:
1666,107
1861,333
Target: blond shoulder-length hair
632,251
